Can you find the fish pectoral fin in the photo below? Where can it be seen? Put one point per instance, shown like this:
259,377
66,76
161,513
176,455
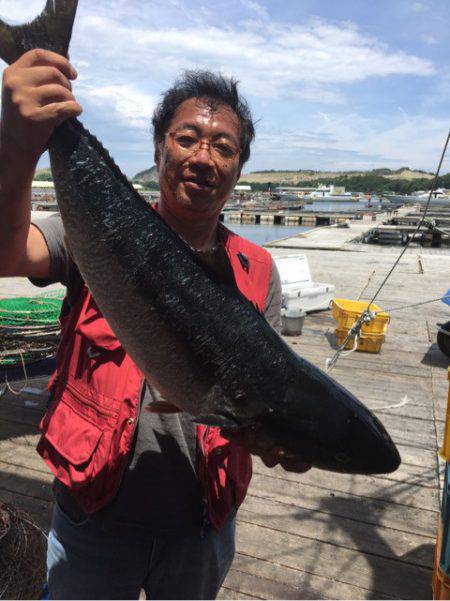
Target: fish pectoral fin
162,407
219,420
217,410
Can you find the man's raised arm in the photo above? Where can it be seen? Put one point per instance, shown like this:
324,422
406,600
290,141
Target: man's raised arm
36,97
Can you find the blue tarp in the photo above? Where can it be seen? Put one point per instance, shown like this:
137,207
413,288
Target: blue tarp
446,300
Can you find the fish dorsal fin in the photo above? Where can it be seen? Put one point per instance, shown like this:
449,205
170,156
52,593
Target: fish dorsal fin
51,30
218,265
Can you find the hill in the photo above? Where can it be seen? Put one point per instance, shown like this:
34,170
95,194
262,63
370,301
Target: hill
146,176
297,177
43,175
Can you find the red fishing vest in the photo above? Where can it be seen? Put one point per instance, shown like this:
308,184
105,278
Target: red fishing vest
88,429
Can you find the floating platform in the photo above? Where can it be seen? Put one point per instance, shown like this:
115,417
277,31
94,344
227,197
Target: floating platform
305,218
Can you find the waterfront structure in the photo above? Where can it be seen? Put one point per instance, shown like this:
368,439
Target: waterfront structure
330,193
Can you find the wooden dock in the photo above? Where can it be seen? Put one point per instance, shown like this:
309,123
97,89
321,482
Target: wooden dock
307,218
322,535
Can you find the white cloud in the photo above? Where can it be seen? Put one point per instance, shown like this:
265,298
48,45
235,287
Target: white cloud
20,12
130,105
430,39
126,55
256,7
353,141
308,61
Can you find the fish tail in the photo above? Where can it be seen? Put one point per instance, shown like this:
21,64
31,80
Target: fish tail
51,30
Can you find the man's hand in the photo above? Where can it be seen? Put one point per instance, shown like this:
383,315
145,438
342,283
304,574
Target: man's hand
248,439
36,98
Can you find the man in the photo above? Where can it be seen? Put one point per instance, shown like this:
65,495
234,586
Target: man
165,521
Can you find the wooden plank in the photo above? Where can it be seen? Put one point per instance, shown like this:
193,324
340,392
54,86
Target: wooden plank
229,593
22,456
317,354
39,510
406,473
413,346
315,342
408,411
379,379
18,433
249,574
420,458
260,587
25,481
378,574
376,511
38,402
390,389
20,413
422,429
414,433
323,525
403,493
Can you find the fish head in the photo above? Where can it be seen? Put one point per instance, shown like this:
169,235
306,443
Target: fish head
331,429
195,179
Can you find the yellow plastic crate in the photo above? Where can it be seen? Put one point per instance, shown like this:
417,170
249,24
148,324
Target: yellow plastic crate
366,343
346,312
444,451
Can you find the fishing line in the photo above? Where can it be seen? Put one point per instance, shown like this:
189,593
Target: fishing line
432,189
433,300
367,315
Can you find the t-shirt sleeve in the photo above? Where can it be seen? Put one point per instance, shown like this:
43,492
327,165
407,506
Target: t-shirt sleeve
272,312
61,265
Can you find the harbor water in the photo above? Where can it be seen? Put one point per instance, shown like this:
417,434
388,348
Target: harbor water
261,234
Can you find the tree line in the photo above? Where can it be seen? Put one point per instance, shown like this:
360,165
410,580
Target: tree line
370,183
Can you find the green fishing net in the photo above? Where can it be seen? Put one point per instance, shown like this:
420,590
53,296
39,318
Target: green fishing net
29,327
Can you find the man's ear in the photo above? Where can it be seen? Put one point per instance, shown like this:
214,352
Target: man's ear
157,155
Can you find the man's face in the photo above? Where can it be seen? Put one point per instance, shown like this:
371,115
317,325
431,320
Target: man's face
196,165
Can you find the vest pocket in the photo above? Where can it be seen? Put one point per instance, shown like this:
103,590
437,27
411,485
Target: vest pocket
68,444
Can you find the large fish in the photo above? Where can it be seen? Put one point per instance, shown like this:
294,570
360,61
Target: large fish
181,319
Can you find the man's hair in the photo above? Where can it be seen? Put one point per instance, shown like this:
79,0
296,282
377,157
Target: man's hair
216,90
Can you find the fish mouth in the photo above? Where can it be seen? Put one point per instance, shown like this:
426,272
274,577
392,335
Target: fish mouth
198,183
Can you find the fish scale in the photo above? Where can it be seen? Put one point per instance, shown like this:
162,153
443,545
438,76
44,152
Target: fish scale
181,319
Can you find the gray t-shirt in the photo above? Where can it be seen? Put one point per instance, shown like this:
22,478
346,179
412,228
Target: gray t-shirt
160,491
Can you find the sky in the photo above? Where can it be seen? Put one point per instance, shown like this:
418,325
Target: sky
354,84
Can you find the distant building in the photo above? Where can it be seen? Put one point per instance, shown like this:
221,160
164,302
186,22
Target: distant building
330,192
40,188
293,190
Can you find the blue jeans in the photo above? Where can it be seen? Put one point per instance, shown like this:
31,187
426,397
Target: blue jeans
84,562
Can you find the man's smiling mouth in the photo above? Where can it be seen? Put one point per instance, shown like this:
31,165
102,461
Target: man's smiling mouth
199,183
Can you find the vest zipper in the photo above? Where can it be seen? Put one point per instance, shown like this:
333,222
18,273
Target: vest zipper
136,420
